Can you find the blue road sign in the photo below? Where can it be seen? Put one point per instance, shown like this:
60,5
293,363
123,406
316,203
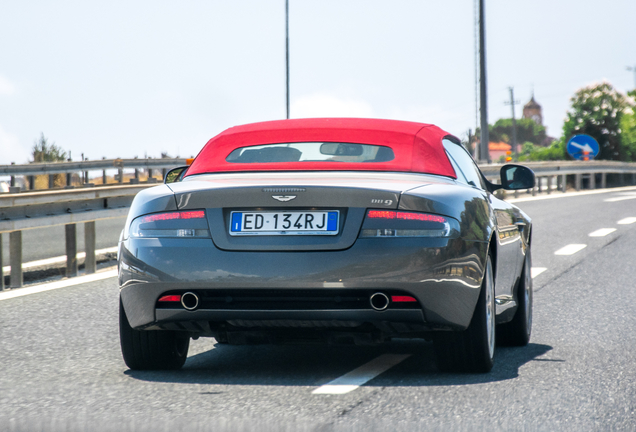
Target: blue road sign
583,147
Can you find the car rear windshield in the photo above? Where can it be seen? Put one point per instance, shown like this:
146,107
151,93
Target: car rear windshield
311,152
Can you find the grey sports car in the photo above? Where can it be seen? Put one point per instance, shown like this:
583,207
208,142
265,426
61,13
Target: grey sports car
327,230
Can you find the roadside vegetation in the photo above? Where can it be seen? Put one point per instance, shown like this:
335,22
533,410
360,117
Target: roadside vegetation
598,110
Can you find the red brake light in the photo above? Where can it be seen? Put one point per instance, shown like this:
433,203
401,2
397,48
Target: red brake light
197,214
390,214
402,299
170,298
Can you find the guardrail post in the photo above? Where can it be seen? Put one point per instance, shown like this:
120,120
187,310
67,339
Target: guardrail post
150,173
12,184
549,184
90,263
51,181
539,180
31,180
71,250
69,179
603,180
104,177
1,268
577,182
120,172
593,181
15,259
564,183
164,171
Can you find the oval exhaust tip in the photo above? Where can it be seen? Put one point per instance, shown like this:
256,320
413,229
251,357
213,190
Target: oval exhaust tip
379,301
190,301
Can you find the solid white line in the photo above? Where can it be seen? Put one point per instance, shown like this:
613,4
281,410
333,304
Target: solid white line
602,232
570,249
627,221
34,289
58,259
536,271
357,377
556,195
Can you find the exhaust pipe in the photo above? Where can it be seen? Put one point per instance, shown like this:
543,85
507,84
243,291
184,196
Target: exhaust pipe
190,301
379,301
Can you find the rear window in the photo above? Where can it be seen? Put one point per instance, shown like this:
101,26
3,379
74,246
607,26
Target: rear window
311,152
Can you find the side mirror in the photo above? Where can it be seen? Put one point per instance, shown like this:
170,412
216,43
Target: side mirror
515,177
175,174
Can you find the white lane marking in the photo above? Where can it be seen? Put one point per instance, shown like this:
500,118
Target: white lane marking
59,259
34,289
602,232
536,271
357,377
621,198
570,249
627,221
556,195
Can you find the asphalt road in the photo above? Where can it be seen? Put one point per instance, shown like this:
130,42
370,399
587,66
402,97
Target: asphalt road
62,367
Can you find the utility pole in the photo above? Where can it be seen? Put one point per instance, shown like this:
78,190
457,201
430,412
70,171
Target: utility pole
287,51
630,68
484,153
514,120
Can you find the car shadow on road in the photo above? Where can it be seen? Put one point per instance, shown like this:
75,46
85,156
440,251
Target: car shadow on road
315,365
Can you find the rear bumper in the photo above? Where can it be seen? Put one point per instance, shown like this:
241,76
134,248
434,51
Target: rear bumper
444,282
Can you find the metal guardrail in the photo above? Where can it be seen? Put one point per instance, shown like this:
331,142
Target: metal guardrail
21,211
95,165
36,209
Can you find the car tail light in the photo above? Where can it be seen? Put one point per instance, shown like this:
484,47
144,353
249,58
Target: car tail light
170,298
396,223
191,224
402,299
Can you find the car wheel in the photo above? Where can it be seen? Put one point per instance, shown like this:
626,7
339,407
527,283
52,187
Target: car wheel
151,349
472,350
517,332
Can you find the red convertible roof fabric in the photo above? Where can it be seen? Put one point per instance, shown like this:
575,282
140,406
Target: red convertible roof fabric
417,146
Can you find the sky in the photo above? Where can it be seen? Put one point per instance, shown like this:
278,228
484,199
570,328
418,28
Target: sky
139,78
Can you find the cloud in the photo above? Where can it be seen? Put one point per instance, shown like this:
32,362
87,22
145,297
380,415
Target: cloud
6,86
326,105
11,150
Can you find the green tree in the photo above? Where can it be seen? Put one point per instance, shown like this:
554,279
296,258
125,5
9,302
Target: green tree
597,110
527,131
45,151
628,129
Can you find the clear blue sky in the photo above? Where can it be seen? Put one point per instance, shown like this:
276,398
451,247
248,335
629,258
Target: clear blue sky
135,78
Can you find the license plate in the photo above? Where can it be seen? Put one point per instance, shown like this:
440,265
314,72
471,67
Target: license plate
285,223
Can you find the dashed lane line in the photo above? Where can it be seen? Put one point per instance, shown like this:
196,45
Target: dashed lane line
536,271
58,259
570,249
365,373
623,197
34,289
627,221
602,232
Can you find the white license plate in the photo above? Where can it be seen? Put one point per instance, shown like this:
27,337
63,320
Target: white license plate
285,223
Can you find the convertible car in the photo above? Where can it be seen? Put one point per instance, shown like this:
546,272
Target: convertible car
329,231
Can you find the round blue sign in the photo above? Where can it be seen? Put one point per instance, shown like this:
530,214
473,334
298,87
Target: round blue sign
583,147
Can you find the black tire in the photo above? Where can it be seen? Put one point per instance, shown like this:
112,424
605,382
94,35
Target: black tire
472,350
517,332
151,349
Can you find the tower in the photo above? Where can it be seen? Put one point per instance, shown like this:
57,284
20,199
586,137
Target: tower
532,110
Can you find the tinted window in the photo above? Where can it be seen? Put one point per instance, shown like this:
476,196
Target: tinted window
467,171
311,151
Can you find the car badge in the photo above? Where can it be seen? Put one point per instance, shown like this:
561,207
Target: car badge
284,198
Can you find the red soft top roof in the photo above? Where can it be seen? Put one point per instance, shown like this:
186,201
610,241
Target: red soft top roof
417,146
